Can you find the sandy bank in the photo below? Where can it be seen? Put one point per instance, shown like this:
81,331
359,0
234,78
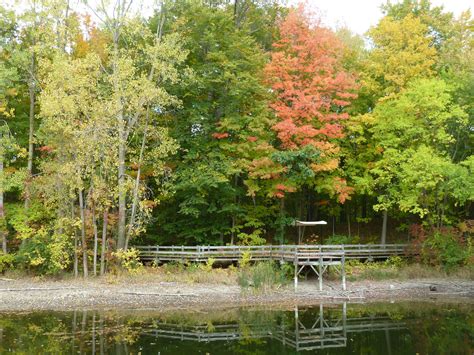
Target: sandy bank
31,294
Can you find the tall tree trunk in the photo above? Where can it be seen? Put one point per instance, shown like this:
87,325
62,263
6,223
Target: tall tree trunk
76,242
137,182
96,239
83,234
104,241
237,202
282,226
124,130
383,239
364,206
32,95
333,226
301,203
122,193
233,231
3,224
122,197
348,216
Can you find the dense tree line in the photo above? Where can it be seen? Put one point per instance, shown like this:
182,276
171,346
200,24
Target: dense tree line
220,122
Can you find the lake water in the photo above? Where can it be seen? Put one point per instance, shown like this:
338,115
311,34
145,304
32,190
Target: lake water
391,328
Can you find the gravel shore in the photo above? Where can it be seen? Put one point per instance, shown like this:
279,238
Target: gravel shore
31,294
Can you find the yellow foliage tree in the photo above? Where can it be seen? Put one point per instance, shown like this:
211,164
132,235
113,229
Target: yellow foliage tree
401,53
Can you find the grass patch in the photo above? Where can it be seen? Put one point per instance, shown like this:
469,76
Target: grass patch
263,276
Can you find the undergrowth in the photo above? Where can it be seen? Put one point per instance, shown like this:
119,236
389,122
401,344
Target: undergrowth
263,276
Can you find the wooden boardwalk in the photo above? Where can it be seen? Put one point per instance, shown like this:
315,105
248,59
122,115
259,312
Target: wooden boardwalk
234,253
315,257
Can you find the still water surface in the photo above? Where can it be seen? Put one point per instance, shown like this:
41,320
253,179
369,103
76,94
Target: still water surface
392,328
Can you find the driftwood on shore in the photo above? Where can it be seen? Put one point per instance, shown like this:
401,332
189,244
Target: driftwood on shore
159,294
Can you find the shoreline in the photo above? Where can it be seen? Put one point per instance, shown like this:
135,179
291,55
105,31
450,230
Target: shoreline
63,295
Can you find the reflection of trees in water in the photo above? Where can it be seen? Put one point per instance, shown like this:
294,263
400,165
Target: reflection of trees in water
364,328
445,333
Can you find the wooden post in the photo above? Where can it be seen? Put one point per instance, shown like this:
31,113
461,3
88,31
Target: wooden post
343,272
320,277
296,273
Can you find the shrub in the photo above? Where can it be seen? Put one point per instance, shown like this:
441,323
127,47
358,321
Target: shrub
245,259
6,262
208,265
45,252
129,260
395,261
446,249
262,276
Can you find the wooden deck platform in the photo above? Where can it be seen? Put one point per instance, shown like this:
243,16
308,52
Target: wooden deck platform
316,257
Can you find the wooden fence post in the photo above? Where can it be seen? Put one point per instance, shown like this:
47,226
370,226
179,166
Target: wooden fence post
320,278
343,272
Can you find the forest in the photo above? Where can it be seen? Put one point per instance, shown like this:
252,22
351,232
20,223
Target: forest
215,122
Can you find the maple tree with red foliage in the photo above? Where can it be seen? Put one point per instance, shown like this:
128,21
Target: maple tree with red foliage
311,91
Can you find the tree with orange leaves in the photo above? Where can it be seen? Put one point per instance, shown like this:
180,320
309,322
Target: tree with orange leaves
311,91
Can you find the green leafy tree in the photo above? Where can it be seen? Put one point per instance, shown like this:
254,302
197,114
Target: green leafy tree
221,128
416,134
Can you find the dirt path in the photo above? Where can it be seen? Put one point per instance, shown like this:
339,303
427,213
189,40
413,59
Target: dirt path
30,294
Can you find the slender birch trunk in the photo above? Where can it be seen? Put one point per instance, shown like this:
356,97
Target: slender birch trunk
121,124
96,239
83,234
122,196
104,241
76,242
137,183
32,97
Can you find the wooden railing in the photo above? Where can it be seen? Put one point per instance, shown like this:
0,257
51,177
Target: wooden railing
293,253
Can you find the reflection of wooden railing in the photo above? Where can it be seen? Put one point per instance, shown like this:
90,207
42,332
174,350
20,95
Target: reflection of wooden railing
323,333
231,253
